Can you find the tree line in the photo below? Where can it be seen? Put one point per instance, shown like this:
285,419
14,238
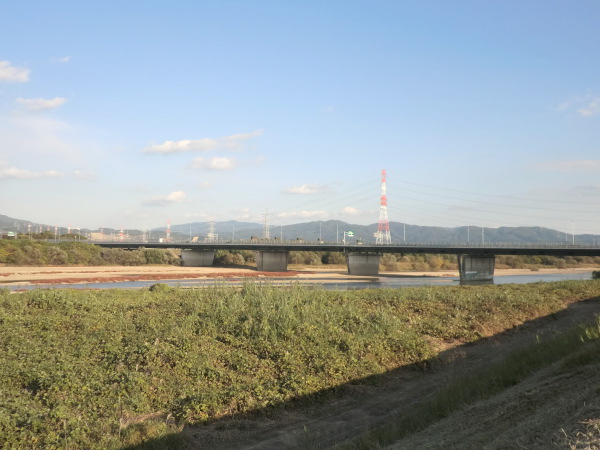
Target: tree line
23,252
42,252
411,262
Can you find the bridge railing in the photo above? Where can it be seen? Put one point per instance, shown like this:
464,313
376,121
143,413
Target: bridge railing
304,243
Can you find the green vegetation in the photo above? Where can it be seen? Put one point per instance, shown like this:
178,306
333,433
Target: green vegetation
234,257
25,251
540,261
34,252
572,350
427,262
430,262
105,369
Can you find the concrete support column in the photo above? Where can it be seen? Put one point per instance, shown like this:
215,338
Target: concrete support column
271,261
476,269
197,258
363,263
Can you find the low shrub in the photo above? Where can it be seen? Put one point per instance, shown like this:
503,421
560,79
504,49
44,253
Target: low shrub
98,369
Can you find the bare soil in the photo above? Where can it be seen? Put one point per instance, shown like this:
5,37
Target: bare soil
31,275
25,275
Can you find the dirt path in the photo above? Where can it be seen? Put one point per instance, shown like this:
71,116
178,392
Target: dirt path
364,406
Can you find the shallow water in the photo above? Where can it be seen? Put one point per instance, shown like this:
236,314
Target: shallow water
384,281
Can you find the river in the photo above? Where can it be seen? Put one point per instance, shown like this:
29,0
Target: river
382,281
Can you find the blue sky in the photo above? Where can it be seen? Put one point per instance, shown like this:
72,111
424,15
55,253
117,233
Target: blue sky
132,113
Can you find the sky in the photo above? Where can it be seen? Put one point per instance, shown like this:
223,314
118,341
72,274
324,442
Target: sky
135,113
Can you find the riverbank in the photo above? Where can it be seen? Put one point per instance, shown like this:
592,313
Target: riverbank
31,275
256,367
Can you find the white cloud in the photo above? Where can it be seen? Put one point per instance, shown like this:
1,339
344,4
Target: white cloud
243,213
591,108
567,104
9,73
40,104
351,211
64,59
7,172
204,185
215,163
81,175
163,200
582,165
222,163
233,142
586,106
36,134
304,214
306,189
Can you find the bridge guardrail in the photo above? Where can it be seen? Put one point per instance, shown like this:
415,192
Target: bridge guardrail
292,243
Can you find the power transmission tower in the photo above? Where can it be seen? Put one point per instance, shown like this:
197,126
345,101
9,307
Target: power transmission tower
212,236
383,235
266,231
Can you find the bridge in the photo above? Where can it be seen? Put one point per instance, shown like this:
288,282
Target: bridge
476,262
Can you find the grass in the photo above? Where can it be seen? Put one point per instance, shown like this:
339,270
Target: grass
573,349
115,368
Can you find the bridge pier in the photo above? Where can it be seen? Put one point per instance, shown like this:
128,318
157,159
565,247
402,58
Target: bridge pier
271,260
197,258
363,263
476,269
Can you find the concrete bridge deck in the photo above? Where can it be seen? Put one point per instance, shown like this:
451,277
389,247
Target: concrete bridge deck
476,261
492,249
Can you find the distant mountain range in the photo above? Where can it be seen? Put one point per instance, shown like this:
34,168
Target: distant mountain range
333,231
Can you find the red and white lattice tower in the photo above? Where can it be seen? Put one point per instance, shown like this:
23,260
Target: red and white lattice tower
383,235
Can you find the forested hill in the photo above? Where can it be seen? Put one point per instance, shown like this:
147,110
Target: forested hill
333,231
